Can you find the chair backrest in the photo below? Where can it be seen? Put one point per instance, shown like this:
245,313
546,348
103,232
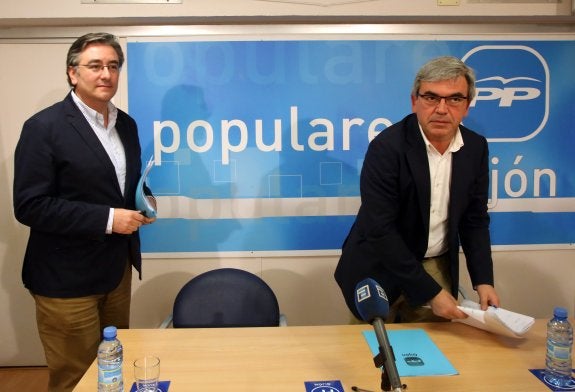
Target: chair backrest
225,297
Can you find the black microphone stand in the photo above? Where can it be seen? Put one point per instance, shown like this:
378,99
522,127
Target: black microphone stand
385,360
379,361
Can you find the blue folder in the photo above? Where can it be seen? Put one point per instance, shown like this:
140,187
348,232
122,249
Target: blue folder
415,353
142,202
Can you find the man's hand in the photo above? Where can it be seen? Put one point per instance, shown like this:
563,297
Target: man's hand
128,221
444,305
487,296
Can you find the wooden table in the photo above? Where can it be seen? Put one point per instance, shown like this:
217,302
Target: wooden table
282,358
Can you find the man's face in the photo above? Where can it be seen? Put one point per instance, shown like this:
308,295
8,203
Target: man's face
438,117
94,85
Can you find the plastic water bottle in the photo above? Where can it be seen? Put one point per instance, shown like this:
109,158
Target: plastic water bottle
559,349
110,359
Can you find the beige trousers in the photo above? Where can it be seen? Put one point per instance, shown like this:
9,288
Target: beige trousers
71,329
438,269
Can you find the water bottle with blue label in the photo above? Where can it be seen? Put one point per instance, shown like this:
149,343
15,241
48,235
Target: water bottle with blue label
110,359
559,349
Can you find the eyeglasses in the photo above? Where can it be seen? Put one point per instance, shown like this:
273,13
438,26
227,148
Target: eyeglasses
97,68
435,100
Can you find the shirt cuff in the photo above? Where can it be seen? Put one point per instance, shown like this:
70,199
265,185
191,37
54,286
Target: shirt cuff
110,221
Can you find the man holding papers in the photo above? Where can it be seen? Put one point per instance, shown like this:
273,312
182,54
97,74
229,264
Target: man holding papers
424,184
77,165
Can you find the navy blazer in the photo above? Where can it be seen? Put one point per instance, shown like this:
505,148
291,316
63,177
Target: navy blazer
64,186
388,239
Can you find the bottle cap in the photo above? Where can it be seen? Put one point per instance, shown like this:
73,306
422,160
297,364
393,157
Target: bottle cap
110,332
560,312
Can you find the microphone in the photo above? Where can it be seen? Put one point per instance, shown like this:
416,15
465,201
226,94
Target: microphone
372,305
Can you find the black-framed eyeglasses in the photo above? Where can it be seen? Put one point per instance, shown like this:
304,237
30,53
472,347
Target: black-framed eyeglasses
435,100
97,68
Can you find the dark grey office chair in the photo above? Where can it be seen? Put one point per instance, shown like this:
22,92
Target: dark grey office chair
225,297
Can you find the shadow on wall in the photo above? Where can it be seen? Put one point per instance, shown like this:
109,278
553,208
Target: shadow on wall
529,285
153,300
310,299
520,282
25,347
22,345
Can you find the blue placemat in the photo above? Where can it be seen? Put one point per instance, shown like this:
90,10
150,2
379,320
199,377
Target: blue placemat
323,386
163,386
540,374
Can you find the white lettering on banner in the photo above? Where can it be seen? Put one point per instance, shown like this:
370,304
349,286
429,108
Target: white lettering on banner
192,140
506,96
516,181
513,182
227,147
160,148
235,135
277,143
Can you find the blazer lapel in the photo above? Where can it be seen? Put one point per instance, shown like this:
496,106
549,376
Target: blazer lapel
419,166
81,125
460,165
132,156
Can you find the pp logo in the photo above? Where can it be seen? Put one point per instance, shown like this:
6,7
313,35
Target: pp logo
323,386
512,99
413,360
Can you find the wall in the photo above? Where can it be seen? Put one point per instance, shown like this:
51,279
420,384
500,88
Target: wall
34,37
32,11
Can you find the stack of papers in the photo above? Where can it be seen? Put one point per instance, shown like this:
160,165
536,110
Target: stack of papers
496,320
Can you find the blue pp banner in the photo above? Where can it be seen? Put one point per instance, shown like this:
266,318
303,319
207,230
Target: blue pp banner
258,145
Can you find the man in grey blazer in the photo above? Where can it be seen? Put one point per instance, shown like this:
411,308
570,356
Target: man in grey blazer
424,186
77,164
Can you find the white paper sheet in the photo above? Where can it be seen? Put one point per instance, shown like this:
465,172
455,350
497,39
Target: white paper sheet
496,320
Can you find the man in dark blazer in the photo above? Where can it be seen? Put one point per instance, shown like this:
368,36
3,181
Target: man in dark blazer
77,164
424,185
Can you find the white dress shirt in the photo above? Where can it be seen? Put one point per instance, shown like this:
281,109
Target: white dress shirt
440,179
108,136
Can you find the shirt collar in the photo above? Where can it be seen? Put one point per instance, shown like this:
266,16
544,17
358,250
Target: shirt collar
94,116
454,146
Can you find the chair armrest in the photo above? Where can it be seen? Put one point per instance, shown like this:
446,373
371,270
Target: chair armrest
167,322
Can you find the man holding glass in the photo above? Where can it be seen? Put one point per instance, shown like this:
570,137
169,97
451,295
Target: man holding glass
77,164
424,186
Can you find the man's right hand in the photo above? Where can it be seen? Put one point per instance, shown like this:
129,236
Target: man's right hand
445,305
127,221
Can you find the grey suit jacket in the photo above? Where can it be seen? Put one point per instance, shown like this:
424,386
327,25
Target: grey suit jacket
64,186
388,239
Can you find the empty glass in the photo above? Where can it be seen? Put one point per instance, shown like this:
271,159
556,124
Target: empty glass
147,373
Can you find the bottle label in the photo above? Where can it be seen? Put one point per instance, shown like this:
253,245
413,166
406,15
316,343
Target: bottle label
112,377
558,352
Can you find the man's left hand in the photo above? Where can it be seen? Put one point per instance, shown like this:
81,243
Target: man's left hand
487,296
